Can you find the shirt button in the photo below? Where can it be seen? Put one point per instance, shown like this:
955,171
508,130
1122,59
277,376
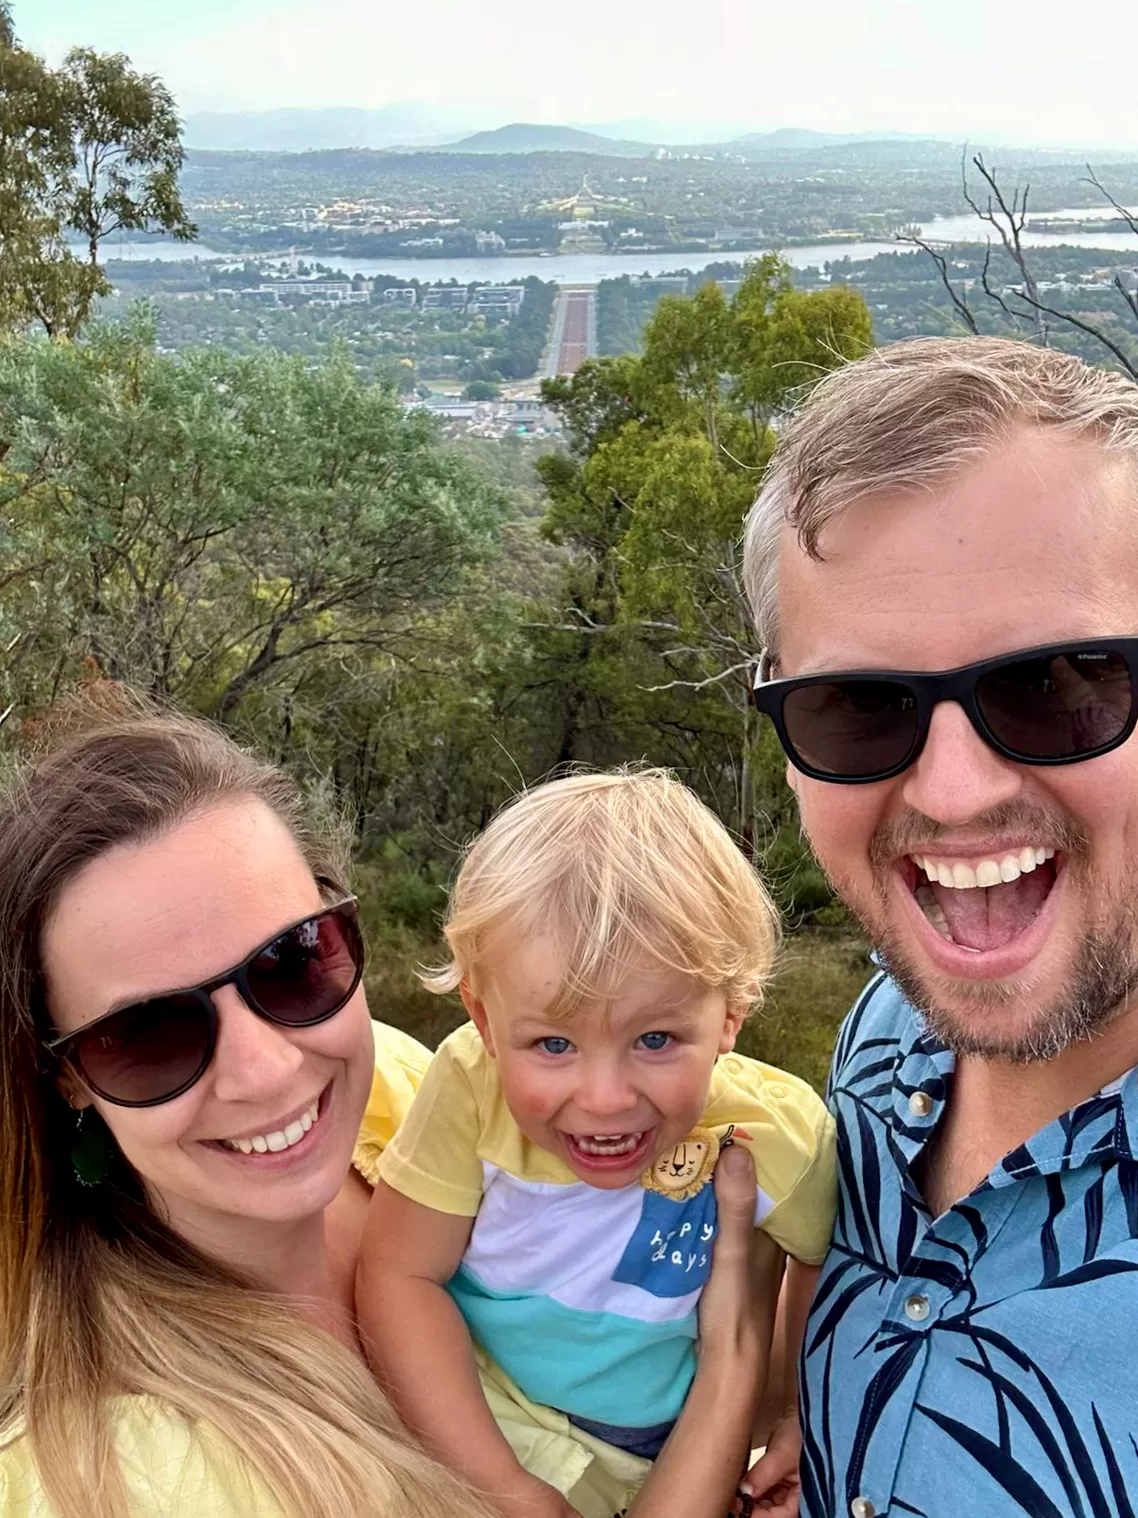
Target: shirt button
861,1507
920,1104
917,1308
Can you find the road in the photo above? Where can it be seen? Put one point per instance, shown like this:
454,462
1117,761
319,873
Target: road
574,336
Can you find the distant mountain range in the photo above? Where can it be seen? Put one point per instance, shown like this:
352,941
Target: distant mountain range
413,126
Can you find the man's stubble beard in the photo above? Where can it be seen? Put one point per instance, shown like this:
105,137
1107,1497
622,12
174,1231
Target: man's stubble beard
1102,981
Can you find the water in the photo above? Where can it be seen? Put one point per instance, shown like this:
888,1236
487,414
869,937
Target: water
968,228
590,268
565,269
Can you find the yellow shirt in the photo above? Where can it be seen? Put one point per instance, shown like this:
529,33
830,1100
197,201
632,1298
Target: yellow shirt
174,1469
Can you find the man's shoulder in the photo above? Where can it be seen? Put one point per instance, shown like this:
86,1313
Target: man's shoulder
878,1023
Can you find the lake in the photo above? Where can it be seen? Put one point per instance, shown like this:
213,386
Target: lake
591,268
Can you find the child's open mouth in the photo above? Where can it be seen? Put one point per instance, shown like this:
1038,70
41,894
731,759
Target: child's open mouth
608,1151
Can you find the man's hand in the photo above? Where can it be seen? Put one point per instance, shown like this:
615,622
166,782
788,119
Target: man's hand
772,1482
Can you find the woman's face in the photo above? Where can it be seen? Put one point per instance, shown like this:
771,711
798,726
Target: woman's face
171,913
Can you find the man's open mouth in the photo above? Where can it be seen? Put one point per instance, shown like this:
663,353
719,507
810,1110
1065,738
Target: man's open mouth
983,902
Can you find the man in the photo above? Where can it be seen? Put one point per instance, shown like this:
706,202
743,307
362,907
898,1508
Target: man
970,506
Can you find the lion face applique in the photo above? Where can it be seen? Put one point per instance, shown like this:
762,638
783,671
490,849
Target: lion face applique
686,1169
669,1253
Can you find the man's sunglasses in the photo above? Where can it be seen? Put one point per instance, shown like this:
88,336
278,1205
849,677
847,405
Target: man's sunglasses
1057,704
153,1051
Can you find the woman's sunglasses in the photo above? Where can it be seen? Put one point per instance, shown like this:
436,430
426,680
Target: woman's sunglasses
1057,704
153,1051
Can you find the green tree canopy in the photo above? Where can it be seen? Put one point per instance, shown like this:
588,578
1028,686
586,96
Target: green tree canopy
206,526
652,638
86,150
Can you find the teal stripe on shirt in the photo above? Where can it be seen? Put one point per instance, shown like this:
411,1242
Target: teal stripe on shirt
595,1365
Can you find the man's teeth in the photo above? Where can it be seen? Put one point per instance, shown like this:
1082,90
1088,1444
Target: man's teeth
933,910
283,1138
988,872
607,1143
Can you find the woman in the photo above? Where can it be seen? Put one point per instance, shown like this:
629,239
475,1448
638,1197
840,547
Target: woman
185,1061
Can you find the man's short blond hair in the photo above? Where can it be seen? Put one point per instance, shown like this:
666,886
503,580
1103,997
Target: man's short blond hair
907,417
618,869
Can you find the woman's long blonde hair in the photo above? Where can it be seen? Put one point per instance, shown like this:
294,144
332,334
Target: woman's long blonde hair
98,1298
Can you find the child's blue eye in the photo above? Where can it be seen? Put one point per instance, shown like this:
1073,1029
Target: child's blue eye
554,1045
655,1040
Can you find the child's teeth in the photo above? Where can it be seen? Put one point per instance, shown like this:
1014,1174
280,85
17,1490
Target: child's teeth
608,1143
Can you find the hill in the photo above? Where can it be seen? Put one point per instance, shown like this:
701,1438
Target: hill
528,137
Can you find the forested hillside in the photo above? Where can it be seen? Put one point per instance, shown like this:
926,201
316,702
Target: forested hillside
279,545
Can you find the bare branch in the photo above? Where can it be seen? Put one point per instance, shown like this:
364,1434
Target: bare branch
724,674
995,295
941,262
1130,220
1129,296
1092,331
1009,222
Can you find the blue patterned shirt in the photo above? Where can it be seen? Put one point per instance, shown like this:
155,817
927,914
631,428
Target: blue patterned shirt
984,1362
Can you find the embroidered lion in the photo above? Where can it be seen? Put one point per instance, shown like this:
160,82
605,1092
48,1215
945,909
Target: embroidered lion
686,1169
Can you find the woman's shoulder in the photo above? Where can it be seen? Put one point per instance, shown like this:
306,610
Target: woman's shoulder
171,1469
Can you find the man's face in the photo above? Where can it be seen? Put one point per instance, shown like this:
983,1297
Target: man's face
1033,544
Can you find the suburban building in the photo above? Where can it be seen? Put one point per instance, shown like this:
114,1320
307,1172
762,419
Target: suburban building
446,298
503,299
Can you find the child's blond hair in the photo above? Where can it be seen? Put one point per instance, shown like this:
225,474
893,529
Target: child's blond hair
616,868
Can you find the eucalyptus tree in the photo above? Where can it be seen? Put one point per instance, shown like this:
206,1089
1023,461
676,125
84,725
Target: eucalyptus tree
86,150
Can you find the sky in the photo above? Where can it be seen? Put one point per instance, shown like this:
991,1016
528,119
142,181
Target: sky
1020,71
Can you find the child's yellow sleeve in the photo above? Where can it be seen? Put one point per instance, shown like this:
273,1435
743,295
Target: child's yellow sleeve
785,1126
433,1158
400,1064
803,1221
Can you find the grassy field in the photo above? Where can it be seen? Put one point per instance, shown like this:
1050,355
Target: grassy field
819,976
820,973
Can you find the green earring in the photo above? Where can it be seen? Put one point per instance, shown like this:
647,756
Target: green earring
90,1149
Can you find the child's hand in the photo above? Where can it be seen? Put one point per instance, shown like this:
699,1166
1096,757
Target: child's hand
772,1481
535,1499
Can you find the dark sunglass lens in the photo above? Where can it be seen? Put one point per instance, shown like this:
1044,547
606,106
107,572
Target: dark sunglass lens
148,1052
309,972
851,728
1060,706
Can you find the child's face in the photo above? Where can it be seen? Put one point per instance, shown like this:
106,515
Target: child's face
619,1083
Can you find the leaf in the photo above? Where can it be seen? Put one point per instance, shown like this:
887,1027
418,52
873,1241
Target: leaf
1012,1477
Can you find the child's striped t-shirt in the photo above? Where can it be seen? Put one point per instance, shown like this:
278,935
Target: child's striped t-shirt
587,1297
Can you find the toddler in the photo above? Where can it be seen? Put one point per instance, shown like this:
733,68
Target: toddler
545,1217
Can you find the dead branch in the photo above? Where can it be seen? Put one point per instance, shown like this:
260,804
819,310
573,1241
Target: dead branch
1130,220
723,674
941,262
995,295
1130,297
1087,327
1008,222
